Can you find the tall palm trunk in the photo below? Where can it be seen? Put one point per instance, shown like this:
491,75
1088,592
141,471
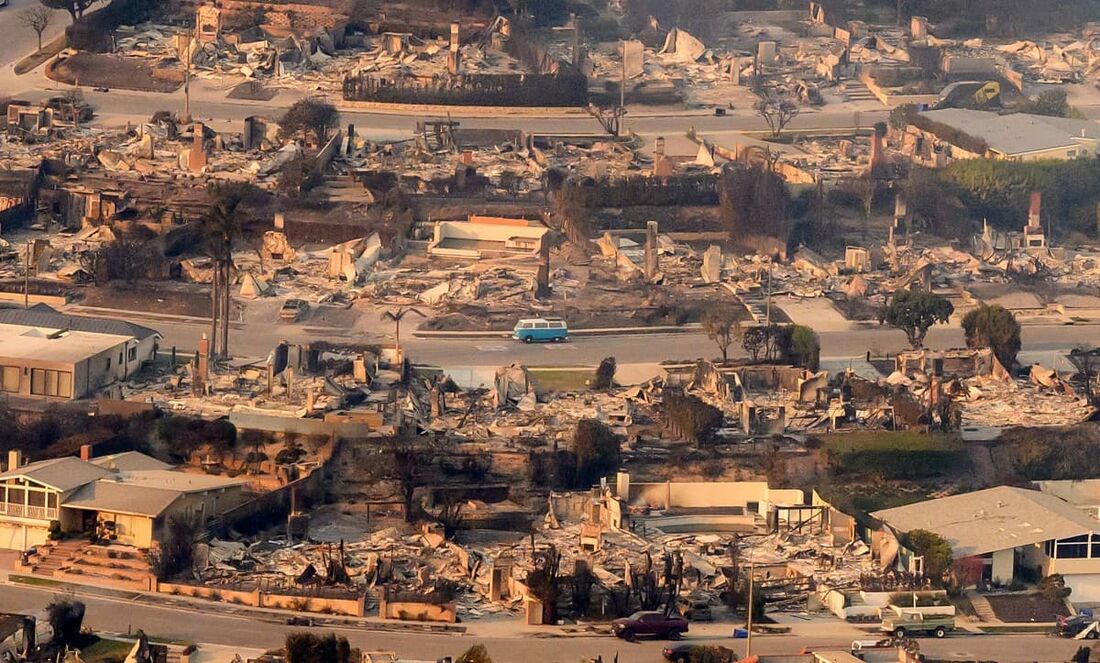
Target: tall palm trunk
226,292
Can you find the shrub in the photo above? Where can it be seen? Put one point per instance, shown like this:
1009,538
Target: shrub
66,617
475,654
712,469
605,374
55,530
304,647
711,654
1076,455
994,327
1053,588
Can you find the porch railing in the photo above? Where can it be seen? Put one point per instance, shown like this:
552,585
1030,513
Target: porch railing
26,511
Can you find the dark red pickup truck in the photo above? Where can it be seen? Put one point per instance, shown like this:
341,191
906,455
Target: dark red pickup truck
650,623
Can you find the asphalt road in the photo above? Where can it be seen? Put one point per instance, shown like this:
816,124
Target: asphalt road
116,107
255,339
207,627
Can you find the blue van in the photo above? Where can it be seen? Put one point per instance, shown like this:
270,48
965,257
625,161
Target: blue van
529,330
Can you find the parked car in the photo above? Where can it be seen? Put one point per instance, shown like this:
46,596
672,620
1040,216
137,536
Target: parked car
696,653
903,624
1071,627
650,623
530,330
293,310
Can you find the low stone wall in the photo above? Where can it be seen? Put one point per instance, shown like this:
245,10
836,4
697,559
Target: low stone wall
352,606
417,612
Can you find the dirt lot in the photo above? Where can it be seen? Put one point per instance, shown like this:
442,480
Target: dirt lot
1018,608
112,71
475,318
173,299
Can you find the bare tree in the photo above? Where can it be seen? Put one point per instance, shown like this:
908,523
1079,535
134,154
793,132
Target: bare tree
722,326
863,189
777,112
1087,362
36,18
611,119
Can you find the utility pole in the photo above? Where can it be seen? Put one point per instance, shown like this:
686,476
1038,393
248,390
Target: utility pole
748,622
622,84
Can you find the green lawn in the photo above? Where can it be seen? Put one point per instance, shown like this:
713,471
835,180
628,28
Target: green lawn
907,455
890,440
106,651
37,582
561,379
1004,630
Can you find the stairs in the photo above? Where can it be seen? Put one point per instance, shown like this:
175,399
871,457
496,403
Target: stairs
982,608
57,556
121,567
856,91
113,565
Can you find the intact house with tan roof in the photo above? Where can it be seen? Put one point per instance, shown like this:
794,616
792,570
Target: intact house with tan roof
1003,531
126,498
49,355
937,137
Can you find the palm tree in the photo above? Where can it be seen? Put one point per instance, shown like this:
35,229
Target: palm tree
221,227
396,315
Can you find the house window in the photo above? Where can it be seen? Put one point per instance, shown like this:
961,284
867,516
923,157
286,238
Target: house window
9,378
132,354
108,363
45,382
1074,547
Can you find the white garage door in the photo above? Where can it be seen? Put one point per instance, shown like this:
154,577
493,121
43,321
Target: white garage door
1085,586
11,537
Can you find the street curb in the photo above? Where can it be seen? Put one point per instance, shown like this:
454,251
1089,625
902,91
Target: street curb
271,615
49,50
690,327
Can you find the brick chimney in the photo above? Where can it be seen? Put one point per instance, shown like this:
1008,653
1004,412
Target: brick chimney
876,151
15,459
85,452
